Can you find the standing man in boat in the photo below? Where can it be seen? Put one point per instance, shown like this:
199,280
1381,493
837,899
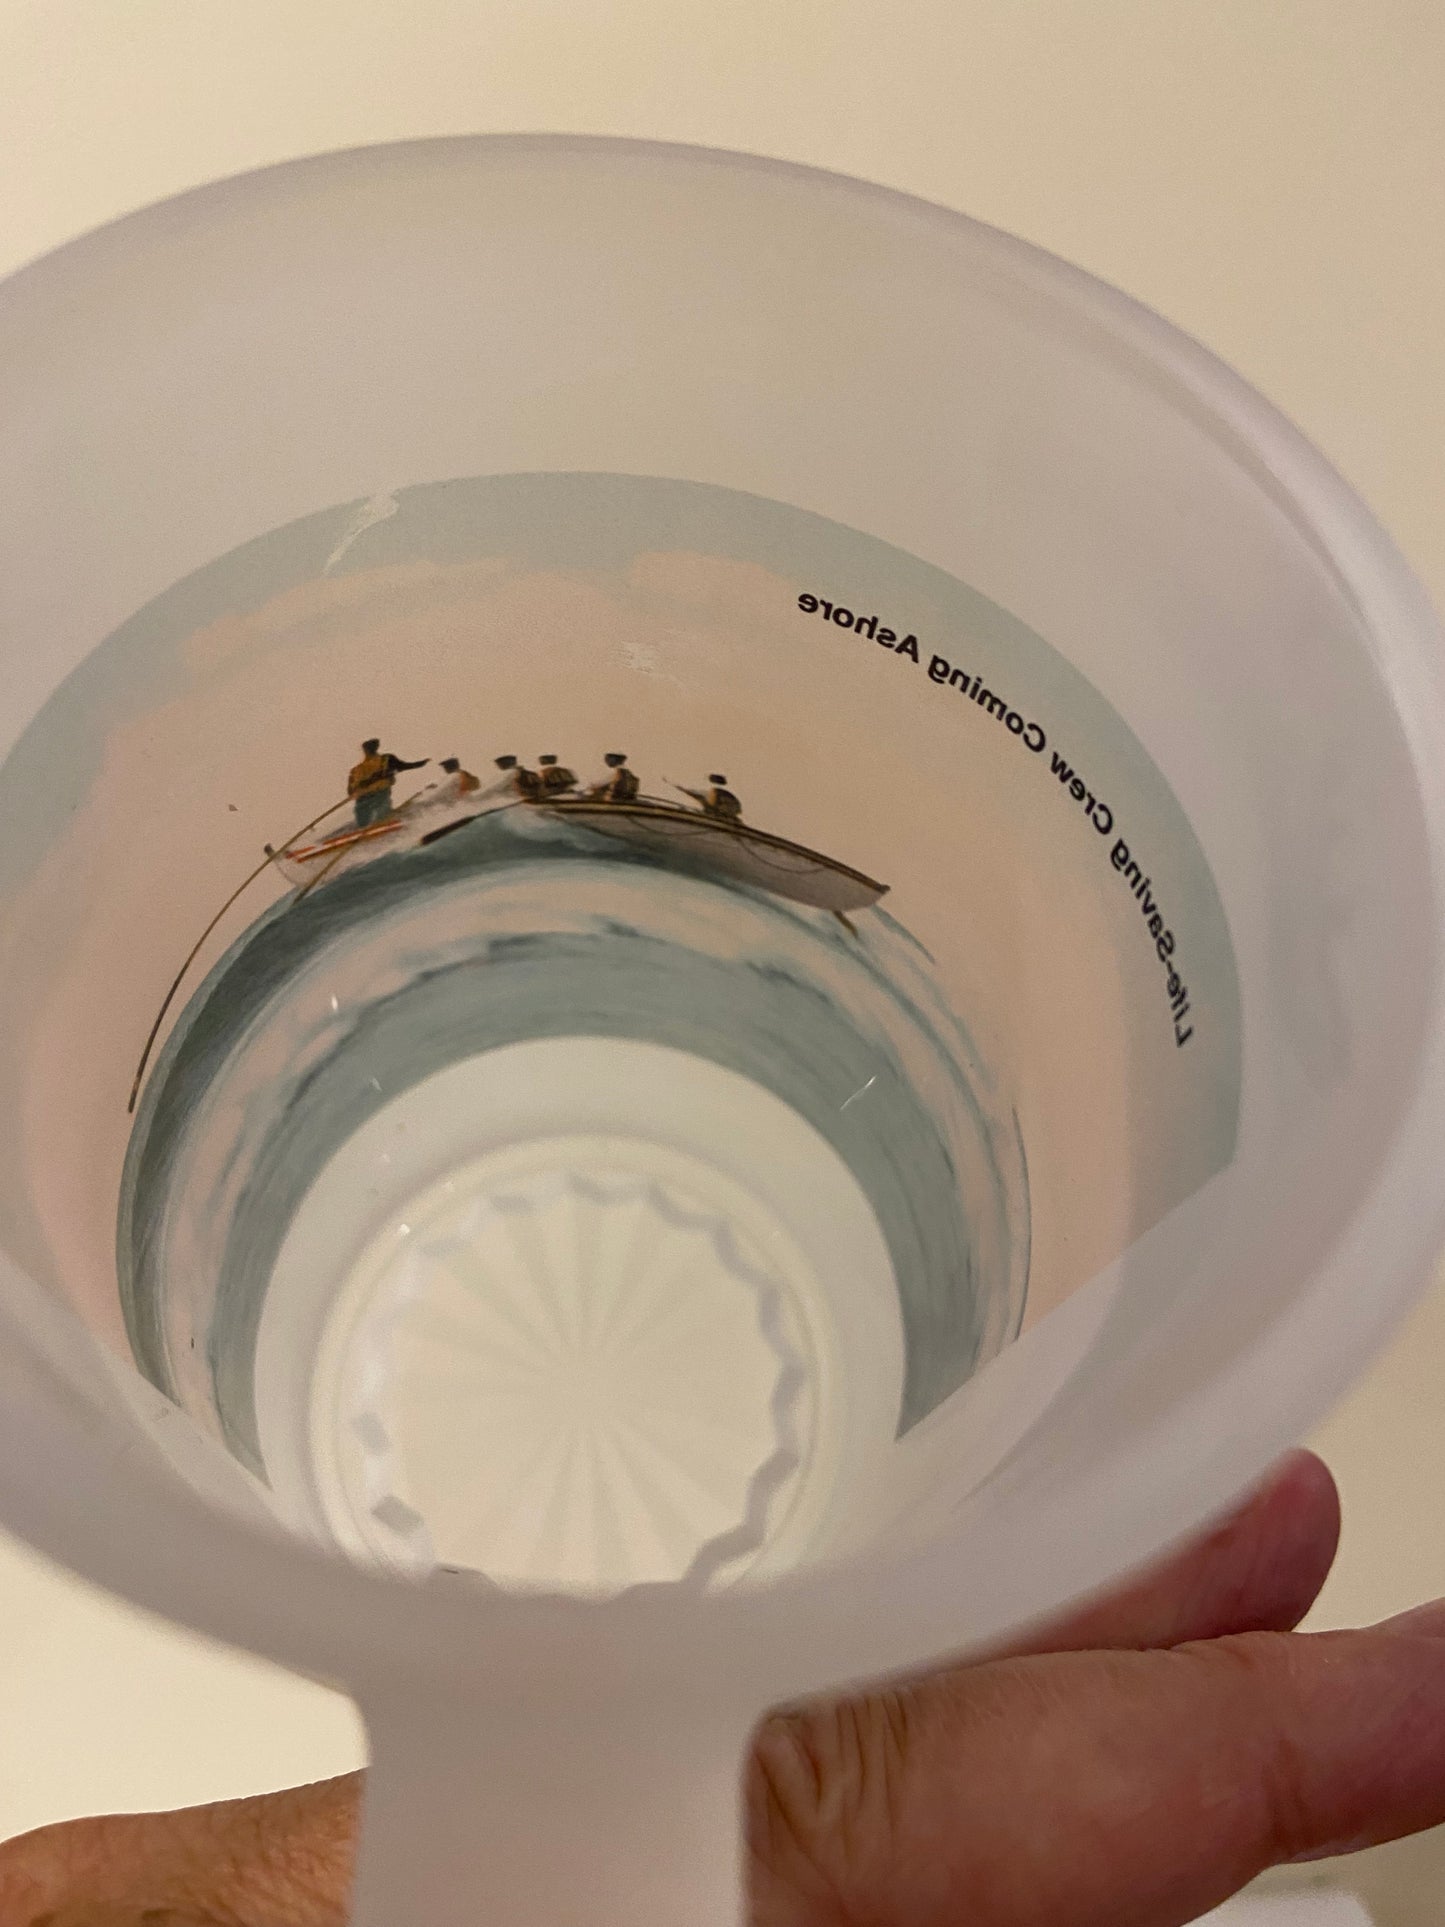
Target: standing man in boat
620,785
557,779
717,800
370,783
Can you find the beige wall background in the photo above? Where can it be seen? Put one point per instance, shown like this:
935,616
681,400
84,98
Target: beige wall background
1270,175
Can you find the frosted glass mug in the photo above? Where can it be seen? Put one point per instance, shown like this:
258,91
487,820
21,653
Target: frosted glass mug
720,906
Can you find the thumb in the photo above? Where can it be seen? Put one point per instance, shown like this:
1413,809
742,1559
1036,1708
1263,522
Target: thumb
1105,1789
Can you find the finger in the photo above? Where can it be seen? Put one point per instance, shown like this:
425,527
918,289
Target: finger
1259,1570
280,1860
292,1852
1098,1789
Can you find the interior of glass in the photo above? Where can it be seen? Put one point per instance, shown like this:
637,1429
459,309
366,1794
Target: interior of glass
579,1187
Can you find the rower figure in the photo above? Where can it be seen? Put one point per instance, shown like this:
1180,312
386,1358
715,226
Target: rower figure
621,786
557,779
454,784
517,780
718,800
369,785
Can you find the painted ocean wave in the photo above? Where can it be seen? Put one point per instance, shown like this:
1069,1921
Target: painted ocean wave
521,925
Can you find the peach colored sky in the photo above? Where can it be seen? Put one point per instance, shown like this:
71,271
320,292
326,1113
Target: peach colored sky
688,662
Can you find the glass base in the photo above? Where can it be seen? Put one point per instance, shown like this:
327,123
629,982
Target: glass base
615,1316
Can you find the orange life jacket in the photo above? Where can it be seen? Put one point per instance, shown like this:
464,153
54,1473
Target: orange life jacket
371,774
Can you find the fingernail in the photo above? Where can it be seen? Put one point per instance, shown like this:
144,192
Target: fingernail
1426,1622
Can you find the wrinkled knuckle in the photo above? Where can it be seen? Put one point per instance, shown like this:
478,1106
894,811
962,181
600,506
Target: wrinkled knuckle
825,1797
790,1774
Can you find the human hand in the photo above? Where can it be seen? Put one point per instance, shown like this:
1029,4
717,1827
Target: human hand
1130,1766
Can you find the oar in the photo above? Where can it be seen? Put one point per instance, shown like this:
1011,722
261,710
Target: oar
320,877
198,946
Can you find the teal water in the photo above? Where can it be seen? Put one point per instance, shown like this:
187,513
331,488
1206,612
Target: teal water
515,928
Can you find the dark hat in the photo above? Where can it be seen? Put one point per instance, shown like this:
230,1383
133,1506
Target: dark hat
614,759
450,764
506,762
371,746
547,759
721,781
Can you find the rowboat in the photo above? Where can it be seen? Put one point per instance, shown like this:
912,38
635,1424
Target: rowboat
668,831
726,847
